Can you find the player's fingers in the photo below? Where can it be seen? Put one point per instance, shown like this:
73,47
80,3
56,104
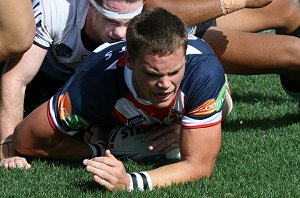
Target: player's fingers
22,163
164,132
165,144
103,182
169,148
156,134
166,140
15,162
101,173
100,164
109,154
4,164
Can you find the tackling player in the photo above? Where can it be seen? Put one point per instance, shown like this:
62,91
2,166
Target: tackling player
66,32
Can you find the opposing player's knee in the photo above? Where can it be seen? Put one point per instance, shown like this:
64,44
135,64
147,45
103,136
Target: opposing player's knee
290,15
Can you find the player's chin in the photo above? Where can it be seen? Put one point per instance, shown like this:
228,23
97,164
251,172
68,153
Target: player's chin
162,102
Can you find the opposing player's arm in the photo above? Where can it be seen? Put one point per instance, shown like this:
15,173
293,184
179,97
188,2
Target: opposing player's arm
199,149
17,28
194,12
18,72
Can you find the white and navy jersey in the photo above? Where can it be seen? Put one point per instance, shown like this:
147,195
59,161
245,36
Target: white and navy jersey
101,92
58,28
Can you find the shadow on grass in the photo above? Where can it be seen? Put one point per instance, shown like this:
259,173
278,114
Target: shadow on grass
89,187
262,124
254,97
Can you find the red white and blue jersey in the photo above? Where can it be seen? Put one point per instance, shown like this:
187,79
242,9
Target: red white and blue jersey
102,93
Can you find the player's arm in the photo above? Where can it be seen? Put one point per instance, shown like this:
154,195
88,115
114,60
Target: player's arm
18,72
194,12
199,149
17,28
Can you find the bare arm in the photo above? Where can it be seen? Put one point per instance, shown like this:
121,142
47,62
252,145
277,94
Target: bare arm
17,27
194,12
17,73
199,149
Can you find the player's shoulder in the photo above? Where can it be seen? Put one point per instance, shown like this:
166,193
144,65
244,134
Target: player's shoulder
51,21
198,46
106,54
202,66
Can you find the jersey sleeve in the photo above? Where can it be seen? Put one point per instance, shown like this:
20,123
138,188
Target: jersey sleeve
50,20
205,88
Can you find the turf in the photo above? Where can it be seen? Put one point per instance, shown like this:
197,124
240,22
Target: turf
260,155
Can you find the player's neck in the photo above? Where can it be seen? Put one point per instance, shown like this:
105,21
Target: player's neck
87,39
88,43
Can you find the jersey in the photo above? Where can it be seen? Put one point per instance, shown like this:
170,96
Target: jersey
102,92
58,28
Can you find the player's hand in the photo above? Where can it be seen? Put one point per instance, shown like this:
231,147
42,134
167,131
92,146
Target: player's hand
108,172
8,157
164,139
15,162
257,3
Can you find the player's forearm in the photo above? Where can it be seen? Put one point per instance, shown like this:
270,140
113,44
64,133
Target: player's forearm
192,12
181,172
11,109
17,27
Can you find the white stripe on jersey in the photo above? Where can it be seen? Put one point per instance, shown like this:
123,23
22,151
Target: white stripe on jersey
188,122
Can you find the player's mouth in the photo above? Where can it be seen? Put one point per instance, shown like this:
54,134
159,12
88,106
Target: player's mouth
162,96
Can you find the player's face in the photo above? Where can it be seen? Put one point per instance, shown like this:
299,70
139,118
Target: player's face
157,78
109,29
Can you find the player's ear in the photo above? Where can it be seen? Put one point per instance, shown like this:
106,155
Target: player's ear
129,61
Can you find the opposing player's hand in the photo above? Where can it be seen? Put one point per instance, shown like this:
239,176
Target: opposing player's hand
8,158
15,162
257,3
108,172
164,139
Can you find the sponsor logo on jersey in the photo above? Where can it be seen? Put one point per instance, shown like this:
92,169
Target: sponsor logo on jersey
65,113
135,121
211,105
63,50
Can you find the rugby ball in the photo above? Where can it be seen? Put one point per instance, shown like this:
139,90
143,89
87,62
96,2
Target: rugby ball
129,143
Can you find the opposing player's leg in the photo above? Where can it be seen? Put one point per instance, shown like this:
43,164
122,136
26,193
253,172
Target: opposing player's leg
253,53
35,137
282,15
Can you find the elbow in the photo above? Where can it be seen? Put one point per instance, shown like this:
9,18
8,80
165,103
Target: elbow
203,169
16,45
207,170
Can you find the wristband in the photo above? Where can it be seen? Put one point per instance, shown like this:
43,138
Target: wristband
140,181
130,184
7,141
98,148
229,6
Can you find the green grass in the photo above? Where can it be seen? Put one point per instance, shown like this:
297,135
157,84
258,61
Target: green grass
260,155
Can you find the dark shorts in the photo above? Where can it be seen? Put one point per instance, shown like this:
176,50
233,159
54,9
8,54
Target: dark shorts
201,28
